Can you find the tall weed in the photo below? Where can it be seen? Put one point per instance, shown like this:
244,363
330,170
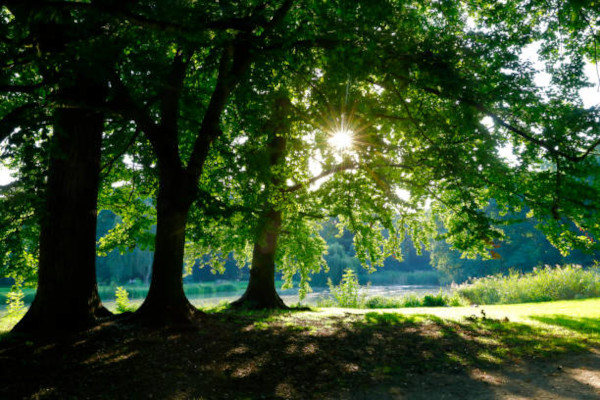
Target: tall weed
15,305
543,284
122,300
349,292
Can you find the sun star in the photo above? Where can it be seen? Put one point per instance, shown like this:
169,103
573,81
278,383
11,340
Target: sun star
341,139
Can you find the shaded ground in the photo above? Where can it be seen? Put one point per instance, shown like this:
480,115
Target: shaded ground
303,355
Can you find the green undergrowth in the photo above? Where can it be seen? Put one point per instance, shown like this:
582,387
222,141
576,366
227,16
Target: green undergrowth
28,295
413,300
543,284
350,294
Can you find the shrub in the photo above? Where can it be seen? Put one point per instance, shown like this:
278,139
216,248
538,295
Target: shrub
430,300
14,301
348,293
543,284
122,300
412,300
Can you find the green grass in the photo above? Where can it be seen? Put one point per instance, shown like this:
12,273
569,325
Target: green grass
435,338
466,336
544,284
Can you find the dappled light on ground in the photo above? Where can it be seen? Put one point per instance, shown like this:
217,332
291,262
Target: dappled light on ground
306,355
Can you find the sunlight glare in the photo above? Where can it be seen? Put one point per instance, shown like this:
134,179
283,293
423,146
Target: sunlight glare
341,139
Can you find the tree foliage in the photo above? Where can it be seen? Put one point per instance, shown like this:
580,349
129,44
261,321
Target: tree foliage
431,90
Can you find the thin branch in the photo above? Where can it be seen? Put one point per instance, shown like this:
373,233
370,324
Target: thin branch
518,131
109,165
340,168
10,121
125,106
331,171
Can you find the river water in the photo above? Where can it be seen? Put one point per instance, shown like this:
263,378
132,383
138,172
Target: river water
290,296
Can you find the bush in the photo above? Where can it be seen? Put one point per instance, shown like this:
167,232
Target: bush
14,301
122,300
412,300
348,293
543,284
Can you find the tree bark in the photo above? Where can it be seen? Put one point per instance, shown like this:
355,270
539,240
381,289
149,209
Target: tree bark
67,296
261,292
166,302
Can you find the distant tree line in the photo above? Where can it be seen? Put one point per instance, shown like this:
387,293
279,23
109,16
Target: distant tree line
523,249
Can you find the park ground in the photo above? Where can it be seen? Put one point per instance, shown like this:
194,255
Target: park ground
526,351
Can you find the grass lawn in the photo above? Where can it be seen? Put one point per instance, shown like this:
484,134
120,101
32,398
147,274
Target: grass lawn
511,350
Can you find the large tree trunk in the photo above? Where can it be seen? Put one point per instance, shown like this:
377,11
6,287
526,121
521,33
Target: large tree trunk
67,295
166,302
261,292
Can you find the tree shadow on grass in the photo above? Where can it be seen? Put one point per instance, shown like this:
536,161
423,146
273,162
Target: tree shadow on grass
287,355
589,326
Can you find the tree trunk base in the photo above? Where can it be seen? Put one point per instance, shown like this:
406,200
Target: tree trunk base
57,324
153,313
45,318
249,302
103,312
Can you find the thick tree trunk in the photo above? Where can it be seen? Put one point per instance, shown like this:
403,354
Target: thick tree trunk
166,302
67,295
261,292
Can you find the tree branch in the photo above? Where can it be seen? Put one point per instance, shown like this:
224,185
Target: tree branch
323,174
130,143
518,131
20,88
125,106
10,121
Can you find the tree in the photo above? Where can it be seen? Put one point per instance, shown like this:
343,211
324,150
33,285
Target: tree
179,176
261,292
67,297
424,87
421,80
